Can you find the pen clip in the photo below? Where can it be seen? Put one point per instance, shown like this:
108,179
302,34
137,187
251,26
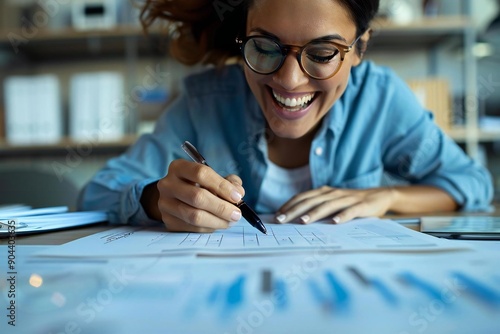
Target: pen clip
193,153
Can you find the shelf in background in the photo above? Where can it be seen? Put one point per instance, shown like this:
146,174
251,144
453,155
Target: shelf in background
56,44
423,32
67,147
461,134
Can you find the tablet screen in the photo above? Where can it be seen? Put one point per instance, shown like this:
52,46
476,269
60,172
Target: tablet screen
485,226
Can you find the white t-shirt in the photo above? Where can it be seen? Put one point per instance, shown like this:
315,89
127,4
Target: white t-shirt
281,184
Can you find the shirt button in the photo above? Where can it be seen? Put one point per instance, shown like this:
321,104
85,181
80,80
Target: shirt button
318,151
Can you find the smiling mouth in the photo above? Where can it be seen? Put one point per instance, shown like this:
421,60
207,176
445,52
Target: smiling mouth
294,104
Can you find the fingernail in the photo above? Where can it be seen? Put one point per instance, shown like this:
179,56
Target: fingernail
235,216
281,218
236,196
336,219
305,219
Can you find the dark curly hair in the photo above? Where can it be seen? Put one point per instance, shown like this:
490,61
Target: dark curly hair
205,30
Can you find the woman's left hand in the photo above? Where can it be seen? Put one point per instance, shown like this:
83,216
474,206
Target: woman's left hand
340,205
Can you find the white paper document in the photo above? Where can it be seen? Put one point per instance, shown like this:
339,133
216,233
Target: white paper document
370,234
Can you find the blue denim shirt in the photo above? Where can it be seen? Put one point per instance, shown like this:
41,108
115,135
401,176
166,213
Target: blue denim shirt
375,133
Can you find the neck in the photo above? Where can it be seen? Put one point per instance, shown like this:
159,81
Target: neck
290,153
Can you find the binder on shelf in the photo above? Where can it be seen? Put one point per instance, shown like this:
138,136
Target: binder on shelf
49,123
434,95
16,92
97,107
33,113
2,123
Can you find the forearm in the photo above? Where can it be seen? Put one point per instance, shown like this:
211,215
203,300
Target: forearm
421,199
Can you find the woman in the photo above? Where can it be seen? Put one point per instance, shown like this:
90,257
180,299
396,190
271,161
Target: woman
309,128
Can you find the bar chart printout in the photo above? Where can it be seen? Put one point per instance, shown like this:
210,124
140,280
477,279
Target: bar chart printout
280,294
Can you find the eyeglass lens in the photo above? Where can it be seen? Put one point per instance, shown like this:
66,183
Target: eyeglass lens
265,56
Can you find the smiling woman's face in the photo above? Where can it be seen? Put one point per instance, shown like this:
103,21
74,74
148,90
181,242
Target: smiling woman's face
297,22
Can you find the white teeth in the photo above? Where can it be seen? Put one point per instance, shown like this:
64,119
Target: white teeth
294,102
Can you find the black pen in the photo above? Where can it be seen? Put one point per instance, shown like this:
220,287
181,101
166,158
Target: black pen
246,211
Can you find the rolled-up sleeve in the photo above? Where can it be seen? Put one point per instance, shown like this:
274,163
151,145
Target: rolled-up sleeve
420,152
118,187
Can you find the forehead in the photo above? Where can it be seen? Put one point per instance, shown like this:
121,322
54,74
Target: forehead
299,21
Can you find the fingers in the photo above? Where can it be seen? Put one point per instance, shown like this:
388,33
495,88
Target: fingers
349,214
237,182
313,205
328,209
299,198
207,178
184,217
190,199
340,205
173,224
195,198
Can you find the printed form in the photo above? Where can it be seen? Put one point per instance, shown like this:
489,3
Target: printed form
368,234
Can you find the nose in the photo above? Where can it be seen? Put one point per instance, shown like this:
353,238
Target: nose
290,75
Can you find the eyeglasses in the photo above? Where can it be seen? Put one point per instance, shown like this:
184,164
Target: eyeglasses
319,59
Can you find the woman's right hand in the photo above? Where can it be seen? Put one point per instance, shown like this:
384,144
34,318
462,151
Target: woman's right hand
194,198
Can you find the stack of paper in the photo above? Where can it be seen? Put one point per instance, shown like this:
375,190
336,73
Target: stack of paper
24,220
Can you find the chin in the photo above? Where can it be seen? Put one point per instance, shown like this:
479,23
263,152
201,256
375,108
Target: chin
287,132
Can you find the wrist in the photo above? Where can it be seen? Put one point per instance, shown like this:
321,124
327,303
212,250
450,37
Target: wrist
149,201
394,198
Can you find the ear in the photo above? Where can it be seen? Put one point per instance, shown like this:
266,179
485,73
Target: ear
365,38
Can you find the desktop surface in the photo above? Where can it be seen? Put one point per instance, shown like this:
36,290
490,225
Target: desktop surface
61,237
311,292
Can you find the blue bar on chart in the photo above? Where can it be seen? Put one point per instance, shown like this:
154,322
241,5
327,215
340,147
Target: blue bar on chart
280,294
333,298
385,292
215,294
320,296
340,294
235,293
479,290
411,280
375,283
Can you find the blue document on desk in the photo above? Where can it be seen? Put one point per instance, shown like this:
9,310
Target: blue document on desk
21,220
369,234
